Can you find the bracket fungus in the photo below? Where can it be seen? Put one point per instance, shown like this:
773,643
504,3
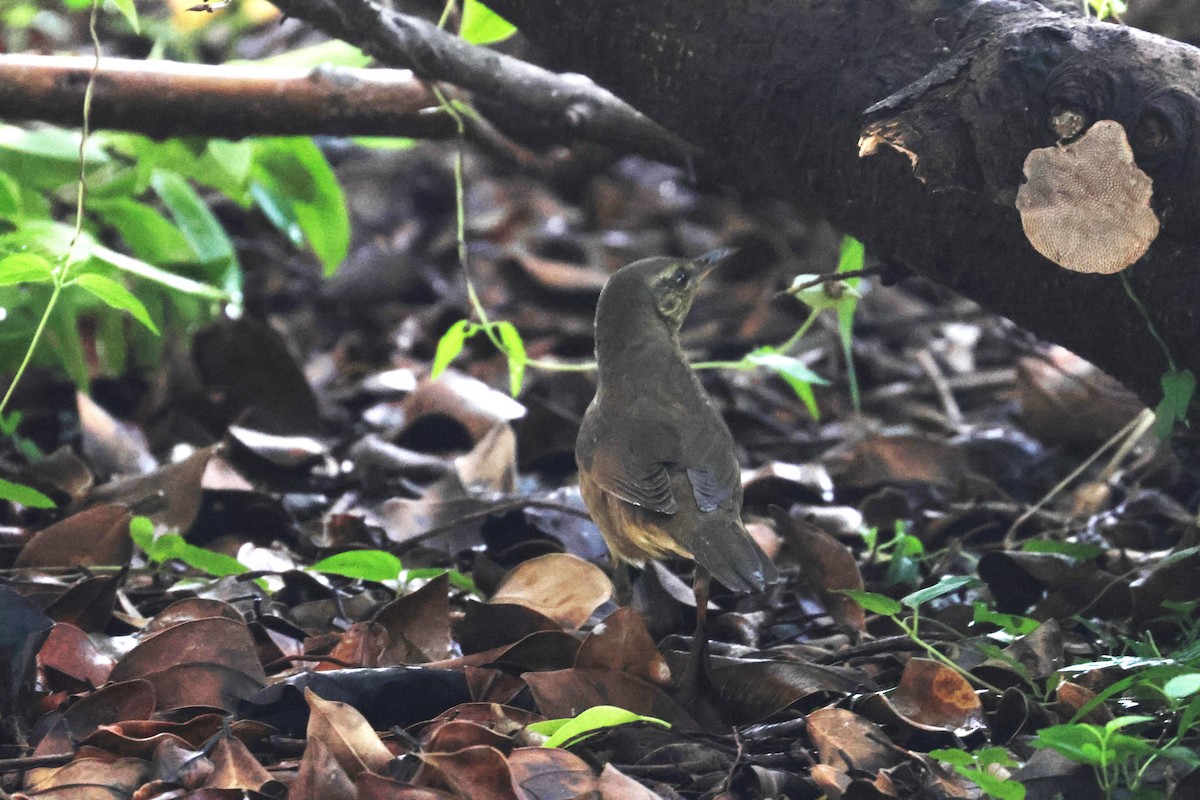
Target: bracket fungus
1086,205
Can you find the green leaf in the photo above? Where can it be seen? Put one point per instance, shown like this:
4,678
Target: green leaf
297,169
993,785
366,565
903,568
1182,685
198,225
172,281
788,366
948,584
450,345
1191,713
1079,742
1076,550
1179,386
149,234
25,495
1013,624
954,756
141,530
457,579
11,206
45,158
63,335
514,349
850,258
594,719
875,603
24,268
233,160
793,372
128,11
279,211
1126,721
116,296
481,25
172,546
384,142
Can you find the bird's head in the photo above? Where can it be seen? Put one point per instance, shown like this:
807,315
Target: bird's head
669,284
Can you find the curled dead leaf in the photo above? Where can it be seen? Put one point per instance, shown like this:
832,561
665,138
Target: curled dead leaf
352,742
565,588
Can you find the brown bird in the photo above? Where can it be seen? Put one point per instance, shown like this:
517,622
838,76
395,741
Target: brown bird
657,467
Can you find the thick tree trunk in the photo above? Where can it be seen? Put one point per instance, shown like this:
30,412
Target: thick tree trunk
777,93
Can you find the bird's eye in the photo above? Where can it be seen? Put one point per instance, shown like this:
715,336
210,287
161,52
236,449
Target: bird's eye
679,278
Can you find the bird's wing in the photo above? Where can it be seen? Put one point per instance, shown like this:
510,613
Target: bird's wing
712,468
630,457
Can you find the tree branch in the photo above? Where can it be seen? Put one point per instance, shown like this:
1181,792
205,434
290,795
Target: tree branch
571,106
166,98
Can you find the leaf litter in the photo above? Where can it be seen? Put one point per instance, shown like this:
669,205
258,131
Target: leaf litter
480,600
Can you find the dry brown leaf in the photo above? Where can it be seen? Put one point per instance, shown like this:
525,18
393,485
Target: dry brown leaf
567,692
1066,399
828,567
622,643
565,588
170,495
350,739
235,767
465,399
376,787
933,697
480,773
418,624
616,785
320,776
206,662
757,688
548,773
69,651
449,736
189,610
128,700
97,536
111,447
846,741
88,778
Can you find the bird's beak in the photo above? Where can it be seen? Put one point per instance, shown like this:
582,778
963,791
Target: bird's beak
709,261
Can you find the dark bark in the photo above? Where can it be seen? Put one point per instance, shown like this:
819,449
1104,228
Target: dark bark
776,93
568,106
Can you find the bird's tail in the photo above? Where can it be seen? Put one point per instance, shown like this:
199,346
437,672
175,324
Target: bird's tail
724,548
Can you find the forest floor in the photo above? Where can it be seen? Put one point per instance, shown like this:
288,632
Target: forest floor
417,587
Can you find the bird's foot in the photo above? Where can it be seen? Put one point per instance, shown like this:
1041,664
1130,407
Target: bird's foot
695,672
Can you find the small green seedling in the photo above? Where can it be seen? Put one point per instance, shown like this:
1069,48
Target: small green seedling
503,335
903,553
1179,387
165,547
840,295
980,767
911,627
564,732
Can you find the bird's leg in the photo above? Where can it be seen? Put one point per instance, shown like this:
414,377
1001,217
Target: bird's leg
622,584
693,673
